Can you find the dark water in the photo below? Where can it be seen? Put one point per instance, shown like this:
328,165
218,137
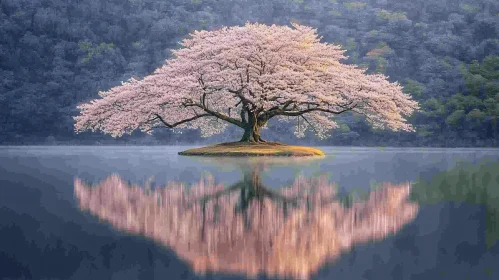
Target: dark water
45,235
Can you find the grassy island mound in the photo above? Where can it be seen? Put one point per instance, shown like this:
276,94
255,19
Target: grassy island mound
253,149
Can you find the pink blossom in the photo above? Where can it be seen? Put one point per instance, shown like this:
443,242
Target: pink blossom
246,75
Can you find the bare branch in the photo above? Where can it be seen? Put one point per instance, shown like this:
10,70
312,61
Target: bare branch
241,97
281,112
219,115
158,117
310,124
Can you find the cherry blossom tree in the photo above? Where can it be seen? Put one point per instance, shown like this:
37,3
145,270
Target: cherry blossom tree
245,76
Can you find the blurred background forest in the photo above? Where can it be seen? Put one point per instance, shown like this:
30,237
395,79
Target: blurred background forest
55,54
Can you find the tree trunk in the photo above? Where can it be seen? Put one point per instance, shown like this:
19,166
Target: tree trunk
252,130
252,134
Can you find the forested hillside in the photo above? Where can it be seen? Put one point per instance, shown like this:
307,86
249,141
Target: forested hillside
55,54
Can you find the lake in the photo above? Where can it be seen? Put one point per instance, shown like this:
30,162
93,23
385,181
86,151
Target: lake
147,213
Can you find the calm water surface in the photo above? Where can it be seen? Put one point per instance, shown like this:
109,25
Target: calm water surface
52,226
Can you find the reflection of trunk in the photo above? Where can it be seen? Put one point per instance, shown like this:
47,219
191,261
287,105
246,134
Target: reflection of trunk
253,188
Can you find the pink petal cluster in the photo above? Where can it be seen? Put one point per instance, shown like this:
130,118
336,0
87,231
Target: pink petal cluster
246,75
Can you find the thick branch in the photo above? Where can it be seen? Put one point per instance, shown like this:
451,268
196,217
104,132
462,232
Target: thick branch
158,117
281,112
241,97
270,113
243,115
218,115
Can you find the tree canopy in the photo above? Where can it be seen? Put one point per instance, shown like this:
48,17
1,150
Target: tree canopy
246,75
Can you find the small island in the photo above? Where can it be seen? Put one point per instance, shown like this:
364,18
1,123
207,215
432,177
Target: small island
253,149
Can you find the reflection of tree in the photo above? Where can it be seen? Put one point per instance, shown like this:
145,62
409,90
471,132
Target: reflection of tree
248,228
473,184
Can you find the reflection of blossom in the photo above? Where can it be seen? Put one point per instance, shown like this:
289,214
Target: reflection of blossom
267,235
